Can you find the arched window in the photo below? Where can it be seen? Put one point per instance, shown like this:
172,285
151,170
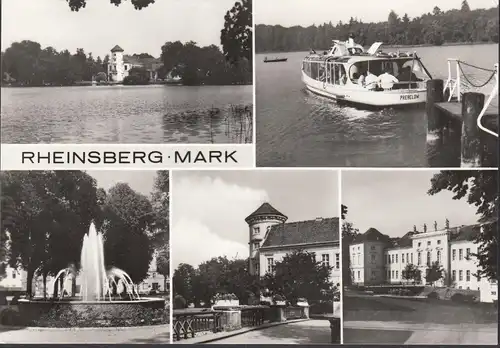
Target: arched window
439,256
428,258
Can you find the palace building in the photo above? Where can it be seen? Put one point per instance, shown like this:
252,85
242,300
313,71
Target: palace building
271,237
120,64
376,259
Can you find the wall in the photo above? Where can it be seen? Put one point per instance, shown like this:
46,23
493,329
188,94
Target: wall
256,233
357,254
394,265
463,264
14,279
373,262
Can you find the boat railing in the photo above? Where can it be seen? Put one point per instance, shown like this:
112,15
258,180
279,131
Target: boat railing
460,81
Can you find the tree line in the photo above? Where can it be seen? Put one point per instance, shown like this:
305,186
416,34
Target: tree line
25,63
297,275
439,27
45,215
479,189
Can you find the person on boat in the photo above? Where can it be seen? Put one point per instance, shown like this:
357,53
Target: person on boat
361,79
371,81
386,80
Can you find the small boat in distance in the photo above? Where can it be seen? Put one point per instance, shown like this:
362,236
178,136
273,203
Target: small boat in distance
349,73
275,60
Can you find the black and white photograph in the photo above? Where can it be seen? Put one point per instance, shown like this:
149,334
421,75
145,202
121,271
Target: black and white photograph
256,257
84,257
127,71
397,83
420,259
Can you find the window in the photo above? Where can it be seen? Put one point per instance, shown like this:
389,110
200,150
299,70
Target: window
402,258
257,267
419,258
337,260
460,254
396,258
411,255
467,276
270,264
439,241
388,274
256,246
325,259
453,254
419,244
397,274
358,248
439,256
256,230
453,275
428,242
358,260
359,275
13,274
313,256
392,258
460,275
392,274
428,258
467,253
373,247
126,67
373,256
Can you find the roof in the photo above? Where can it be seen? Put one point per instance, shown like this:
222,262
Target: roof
265,209
371,235
462,233
303,232
403,242
148,63
117,49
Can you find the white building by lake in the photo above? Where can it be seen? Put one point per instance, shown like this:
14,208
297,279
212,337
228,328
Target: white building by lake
120,64
271,238
377,259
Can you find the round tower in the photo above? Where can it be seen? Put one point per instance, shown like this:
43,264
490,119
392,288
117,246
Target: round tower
259,223
116,61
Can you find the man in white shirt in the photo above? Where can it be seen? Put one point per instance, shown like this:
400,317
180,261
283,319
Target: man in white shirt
387,80
371,81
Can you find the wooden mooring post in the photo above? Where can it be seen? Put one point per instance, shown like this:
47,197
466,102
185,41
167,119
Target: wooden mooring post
477,148
471,144
435,121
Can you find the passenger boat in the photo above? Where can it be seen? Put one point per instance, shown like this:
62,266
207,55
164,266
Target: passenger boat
340,73
275,60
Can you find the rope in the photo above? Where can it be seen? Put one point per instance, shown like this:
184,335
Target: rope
477,86
474,66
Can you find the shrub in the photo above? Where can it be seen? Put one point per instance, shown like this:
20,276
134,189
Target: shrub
10,317
3,299
179,302
433,295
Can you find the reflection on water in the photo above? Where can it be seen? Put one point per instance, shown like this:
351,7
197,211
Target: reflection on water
127,114
298,128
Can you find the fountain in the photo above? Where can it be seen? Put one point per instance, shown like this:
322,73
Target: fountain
101,300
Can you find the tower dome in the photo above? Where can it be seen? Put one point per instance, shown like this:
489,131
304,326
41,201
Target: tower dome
259,223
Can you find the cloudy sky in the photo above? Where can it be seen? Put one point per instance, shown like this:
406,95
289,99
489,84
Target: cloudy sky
141,181
394,201
305,13
209,208
100,25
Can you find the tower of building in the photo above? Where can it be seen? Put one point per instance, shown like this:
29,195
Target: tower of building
259,223
116,64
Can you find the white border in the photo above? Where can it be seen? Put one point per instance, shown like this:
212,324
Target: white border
254,89
170,271
339,191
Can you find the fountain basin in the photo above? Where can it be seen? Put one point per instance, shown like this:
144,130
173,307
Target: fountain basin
70,313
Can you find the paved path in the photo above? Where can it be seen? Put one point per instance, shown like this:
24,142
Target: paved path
378,320
303,332
150,334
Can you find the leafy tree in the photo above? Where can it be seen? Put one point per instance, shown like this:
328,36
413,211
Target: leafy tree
299,275
480,188
163,264
160,200
137,76
76,5
236,36
46,214
434,273
183,282
180,302
349,233
128,218
411,272
465,6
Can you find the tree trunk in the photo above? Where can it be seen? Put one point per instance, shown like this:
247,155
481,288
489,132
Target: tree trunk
29,281
44,275
73,286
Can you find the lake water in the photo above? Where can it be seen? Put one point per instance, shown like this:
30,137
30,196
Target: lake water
298,128
127,114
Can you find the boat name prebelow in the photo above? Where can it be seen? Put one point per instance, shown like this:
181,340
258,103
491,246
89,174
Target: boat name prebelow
409,96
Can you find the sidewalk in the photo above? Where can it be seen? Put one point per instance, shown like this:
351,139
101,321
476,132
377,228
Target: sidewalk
427,333
159,334
205,338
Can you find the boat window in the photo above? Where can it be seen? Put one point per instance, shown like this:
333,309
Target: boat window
340,75
415,67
